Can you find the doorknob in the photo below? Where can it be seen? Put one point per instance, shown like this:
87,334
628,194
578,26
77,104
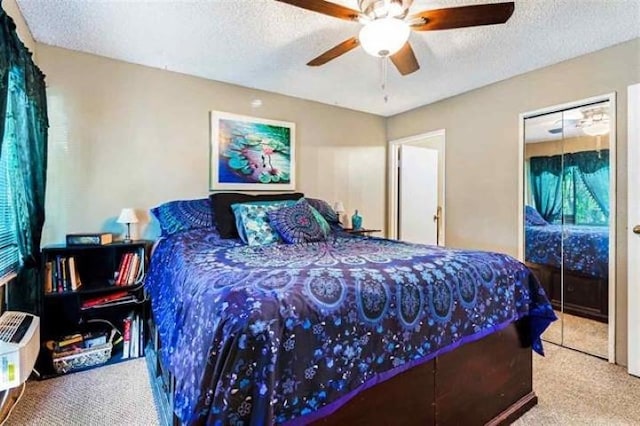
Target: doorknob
636,229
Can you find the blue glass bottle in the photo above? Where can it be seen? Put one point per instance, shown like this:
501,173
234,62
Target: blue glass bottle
356,221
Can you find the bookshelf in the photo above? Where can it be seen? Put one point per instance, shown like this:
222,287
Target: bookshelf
94,297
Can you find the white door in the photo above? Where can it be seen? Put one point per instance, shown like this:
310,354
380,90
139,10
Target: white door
418,194
633,238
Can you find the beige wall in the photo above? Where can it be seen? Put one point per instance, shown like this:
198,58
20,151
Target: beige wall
124,135
567,145
482,150
12,9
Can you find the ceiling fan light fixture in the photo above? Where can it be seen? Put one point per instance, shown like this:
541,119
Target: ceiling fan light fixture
384,37
596,122
598,128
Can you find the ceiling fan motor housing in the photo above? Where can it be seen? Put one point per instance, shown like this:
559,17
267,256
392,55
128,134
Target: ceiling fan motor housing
375,9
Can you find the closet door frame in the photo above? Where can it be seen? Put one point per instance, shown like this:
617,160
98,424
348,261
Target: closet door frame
611,97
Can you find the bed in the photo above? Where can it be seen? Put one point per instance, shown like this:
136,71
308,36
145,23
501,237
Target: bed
583,253
351,328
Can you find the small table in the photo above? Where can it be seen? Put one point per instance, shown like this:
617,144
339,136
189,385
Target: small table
362,231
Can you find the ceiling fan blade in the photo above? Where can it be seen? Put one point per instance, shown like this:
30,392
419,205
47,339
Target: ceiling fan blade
463,16
334,52
326,8
405,60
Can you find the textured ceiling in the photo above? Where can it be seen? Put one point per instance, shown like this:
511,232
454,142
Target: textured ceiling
265,44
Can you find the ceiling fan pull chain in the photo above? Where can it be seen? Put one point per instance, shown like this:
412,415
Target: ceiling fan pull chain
383,64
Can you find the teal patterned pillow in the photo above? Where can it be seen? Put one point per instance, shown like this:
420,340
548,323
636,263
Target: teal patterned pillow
183,215
252,221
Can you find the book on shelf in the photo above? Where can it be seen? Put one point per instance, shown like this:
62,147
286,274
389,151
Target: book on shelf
129,270
58,275
61,275
64,279
121,268
108,299
74,277
134,270
133,336
126,335
48,277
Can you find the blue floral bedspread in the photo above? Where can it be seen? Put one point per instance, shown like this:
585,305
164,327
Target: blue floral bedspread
269,334
586,248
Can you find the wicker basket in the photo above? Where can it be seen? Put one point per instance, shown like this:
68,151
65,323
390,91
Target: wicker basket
87,358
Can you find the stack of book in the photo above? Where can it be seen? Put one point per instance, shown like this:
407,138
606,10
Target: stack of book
111,299
130,269
61,274
133,335
76,343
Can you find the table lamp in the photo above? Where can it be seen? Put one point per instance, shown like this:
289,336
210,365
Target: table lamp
339,208
128,216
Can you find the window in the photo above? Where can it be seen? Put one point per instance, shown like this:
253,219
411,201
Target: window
579,205
8,241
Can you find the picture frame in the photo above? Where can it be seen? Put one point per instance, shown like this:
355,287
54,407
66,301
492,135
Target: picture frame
251,154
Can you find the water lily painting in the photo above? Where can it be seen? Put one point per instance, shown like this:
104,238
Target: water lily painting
250,154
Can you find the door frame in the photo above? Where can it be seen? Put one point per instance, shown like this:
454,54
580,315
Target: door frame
392,204
633,205
611,97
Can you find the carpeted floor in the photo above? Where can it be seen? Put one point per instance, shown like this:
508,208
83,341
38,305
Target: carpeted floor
579,333
113,395
573,389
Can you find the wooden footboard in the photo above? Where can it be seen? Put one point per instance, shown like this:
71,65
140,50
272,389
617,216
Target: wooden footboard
484,382
162,381
584,296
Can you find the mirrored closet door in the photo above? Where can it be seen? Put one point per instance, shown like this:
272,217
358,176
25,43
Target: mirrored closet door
567,186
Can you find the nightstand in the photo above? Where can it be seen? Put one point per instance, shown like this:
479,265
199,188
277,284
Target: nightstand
363,231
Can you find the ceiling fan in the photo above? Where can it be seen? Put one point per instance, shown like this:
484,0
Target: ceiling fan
386,26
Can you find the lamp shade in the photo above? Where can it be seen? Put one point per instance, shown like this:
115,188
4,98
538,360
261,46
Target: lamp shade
128,215
338,207
384,37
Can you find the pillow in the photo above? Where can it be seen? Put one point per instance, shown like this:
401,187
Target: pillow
253,221
324,209
223,217
183,215
533,218
326,228
296,224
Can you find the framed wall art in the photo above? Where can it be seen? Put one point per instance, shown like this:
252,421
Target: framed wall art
251,154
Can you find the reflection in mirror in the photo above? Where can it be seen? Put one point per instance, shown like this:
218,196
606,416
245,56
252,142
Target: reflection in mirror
567,181
585,245
543,251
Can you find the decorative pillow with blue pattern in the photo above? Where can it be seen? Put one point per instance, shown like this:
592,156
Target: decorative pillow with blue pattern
183,215
533,218
326,228
324,209
297,224
252,221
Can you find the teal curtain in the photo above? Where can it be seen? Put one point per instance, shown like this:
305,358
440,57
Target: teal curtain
575,186
545,178
592,167
23,131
